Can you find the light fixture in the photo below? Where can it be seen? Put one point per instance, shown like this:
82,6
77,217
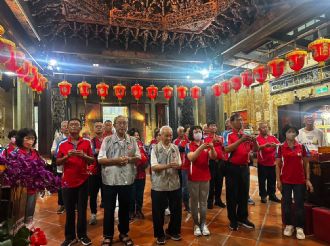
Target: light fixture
10,73
52,62
95,65
197,81
188,77
204,73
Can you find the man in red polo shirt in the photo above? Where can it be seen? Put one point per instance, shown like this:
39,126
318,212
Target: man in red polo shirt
217,167
75,153
108,128
266,164
239,146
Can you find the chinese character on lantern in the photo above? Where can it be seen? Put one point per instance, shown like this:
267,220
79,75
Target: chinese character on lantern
320,49
152,92
195,92
236,83
137,91
102,90
84,89
120,91
296,59
65,88
216,88
247,78
225,86
260,73
182,92
276,67
168,92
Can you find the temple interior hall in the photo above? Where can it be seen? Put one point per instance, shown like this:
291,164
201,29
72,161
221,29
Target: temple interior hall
164,122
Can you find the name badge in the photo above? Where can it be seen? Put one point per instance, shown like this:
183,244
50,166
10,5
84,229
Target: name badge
129,147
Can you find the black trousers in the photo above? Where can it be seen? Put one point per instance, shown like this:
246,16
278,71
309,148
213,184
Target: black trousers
137,195
298,196
60,201
110,193
217,170
71,197
95,184
266,174
237,191
160,200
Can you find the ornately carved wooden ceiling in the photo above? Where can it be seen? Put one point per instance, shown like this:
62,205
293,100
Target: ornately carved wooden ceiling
159,26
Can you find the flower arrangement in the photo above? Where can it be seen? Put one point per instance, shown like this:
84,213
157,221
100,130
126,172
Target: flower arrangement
22,171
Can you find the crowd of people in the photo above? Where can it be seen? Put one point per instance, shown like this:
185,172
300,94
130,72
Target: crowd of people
188,172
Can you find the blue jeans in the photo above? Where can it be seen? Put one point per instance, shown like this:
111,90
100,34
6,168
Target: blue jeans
185,191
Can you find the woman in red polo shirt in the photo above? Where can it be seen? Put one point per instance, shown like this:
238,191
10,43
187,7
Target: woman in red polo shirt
292,173
199,176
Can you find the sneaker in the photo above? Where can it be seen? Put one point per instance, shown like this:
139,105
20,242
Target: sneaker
161,240
205,230
288,231
220,204
60,210
85,241
263,199
167,212
197,231
93,220
233,226
274,199
247,224
300,233
251,202
69,242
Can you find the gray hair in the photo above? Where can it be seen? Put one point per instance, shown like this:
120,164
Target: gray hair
163,128
63,122
118,117
179,128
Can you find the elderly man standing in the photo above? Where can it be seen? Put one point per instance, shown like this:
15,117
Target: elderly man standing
117,157
59,169
165,163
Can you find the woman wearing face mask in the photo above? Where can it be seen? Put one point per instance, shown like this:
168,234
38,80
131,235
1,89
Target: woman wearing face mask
199,176
11,145
26,140
292,174
140,179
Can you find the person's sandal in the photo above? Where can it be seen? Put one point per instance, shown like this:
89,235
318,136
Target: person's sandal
107,242
125,239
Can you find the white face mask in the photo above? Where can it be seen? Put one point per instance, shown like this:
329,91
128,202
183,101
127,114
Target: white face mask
13,140
290,135
198,136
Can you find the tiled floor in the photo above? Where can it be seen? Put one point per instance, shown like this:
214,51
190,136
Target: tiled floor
267,218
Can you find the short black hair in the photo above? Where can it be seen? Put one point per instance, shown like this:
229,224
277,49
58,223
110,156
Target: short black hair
12,133
22,133
191,132
234,116
287,128
132,131
108,121
74,119
210,123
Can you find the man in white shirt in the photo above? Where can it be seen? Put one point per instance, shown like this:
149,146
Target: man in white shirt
59,169
311,136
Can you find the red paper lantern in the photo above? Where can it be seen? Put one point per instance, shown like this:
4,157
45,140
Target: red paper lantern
195,92
31,75
84,89
320,49
24,70
247,78
296,59
41,85
260,73
7,50
236,83
216,90
137,91
102,90
11,63
120,91
276,67
35,82
20,61
152,92
168,92
225,86
65,88
182,92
